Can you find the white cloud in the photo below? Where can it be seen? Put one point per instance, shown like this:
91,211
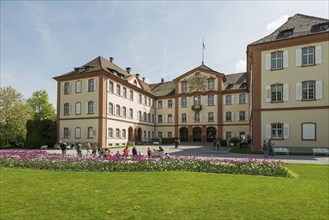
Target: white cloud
276,23
240,66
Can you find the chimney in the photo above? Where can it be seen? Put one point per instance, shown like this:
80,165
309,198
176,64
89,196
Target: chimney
111,59
128,69
143,79
162,80
137,75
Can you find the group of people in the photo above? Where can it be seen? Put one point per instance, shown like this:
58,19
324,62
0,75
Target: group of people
268,148
105,152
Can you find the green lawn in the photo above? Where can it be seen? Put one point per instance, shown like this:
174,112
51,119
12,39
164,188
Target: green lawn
35,194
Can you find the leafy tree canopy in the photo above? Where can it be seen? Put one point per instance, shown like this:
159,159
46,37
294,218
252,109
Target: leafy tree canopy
14,113
42,109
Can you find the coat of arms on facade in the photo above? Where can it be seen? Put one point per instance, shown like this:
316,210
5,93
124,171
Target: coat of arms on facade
197,82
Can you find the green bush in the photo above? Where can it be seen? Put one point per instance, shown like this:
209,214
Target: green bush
167,141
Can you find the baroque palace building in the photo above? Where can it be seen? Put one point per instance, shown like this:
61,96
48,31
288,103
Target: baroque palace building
282,96
288,75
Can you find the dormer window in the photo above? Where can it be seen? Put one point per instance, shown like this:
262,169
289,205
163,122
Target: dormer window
285,33
243,85
320,27
230,86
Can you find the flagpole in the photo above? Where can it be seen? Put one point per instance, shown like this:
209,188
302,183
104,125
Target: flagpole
202,52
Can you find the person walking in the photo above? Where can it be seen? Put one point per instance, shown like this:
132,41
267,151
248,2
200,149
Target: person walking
79,147
270,148
63,148
214,144
218,144
88,146
149,152
134,151
265,150
126,152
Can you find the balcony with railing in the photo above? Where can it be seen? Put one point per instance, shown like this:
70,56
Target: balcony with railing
196,107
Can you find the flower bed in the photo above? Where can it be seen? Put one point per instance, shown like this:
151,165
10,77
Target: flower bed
42,160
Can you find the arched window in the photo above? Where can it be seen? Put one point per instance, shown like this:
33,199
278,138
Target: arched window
110,132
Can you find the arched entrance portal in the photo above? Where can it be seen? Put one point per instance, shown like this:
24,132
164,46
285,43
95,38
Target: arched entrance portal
130,134
183,134
139,134
197,134
211,134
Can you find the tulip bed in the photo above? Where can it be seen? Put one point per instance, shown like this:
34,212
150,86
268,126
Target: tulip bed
42,160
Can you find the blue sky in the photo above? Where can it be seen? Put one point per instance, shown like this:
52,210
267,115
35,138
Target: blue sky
157,39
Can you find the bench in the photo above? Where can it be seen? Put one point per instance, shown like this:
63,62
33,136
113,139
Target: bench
281,150
44,147
156,143
321,151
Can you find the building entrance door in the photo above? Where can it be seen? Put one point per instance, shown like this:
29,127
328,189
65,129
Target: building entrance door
197,134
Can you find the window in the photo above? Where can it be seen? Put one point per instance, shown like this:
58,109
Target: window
242,99
184,87
111,86
111,108
309,131
140,97
124,112
242,116
152,134
159,134
169,118
78,108
148,117
118,89
149,102
67,88
91,85
91,107
228,100
117,110
144,116
159,104
197,117
110,132
197,100
184,102
91,132
211,84
78,86
139,116
276,92
307,56
131,95
131,113
308,90
210,116
184,118
228,116
66,109
169,134
77,133
123,133
124,92
277,131
169,103
159,118
152,118
276,60
211,100
117,133
145,100
67,133
149,134
228,135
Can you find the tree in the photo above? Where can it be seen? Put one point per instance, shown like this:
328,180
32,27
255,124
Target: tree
41,130
14,113
42,109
